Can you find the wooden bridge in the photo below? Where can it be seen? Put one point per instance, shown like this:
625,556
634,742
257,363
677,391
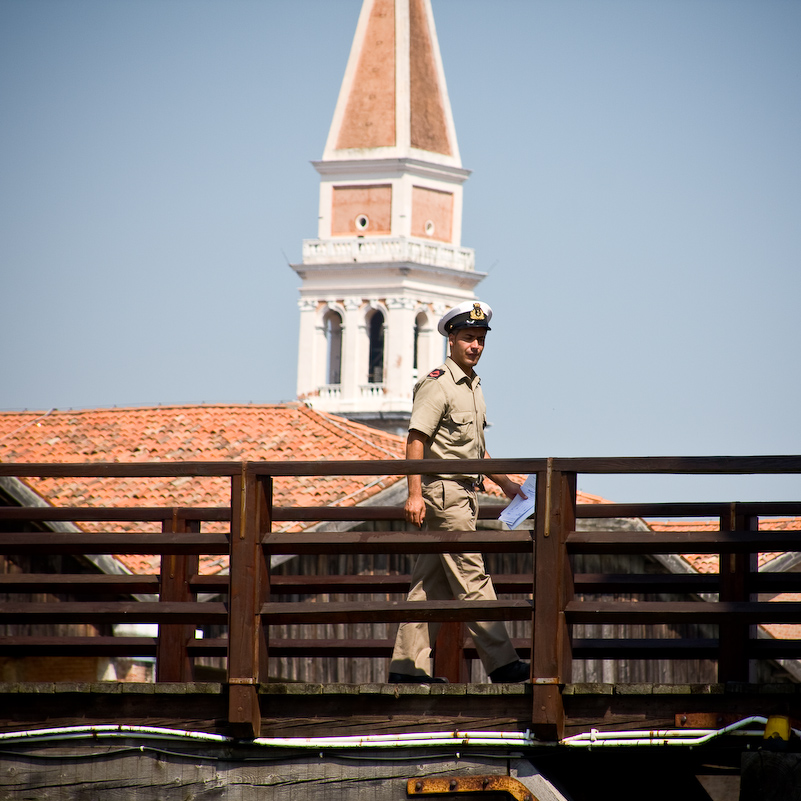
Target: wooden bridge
245,603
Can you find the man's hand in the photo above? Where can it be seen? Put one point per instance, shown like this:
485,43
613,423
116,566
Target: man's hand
415,510
510,488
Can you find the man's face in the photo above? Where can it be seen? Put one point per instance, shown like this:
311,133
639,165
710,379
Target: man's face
467,345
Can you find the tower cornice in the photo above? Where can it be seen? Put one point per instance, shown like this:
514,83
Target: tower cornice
312,273
345,168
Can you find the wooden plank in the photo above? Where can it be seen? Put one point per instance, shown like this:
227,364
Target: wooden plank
735,579
369,583
774,649
251,500
119,469
116,513
21,645
264,523
651,542
776,582
78,583
681,612
642,510
59,542
146,646
677,510
391,467
326,649
173,661
338,513
394,611
337,542
449,657
217,582
691,465
679,649
112,612
553,588
645,649
361,513
234,774
678,583
610,583
313,585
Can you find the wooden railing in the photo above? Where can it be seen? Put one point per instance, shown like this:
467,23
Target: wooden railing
554,594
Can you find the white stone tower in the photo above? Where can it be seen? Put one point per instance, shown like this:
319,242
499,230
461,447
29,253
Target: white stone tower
388,259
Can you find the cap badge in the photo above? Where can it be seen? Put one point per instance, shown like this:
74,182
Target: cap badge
477,313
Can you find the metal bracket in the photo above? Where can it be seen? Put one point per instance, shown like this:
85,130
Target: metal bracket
470,784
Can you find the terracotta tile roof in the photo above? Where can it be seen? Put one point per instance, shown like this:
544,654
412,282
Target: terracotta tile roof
204,432
193,433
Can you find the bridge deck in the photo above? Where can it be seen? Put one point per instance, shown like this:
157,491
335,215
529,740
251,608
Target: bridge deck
303,710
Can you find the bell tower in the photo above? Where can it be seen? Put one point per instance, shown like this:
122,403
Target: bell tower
388,260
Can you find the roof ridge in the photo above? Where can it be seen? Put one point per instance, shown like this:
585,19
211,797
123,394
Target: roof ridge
326,417
155,406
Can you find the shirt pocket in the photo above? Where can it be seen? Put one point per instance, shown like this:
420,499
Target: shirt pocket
461,428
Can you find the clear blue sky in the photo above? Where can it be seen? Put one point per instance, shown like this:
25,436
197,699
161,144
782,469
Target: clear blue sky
635,198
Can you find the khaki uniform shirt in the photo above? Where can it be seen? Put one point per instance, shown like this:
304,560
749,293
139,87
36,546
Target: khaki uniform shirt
449,408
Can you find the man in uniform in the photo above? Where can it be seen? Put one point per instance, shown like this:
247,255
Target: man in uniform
447,422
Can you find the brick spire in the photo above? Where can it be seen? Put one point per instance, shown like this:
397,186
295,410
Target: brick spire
393,99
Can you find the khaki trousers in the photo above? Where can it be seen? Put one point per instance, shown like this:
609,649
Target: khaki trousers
450,506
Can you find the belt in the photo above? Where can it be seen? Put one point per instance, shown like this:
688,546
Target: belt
469,484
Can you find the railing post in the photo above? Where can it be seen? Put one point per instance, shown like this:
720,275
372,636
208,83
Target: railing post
553,588
736,570
449,658
173,662
251,502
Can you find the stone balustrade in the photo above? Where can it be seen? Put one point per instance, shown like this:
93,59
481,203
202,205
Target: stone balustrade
388,249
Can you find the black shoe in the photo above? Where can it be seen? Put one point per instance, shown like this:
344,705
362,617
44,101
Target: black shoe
420,678
511,673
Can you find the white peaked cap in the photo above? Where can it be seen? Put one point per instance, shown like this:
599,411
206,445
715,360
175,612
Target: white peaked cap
470,314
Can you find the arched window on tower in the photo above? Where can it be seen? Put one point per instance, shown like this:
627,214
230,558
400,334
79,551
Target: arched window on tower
375,364
333,341
419,344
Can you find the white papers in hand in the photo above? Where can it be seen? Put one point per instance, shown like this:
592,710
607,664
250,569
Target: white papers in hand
520,508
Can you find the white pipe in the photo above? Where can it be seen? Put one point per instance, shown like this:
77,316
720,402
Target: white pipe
368,742
457,735
103,731
111,730
688,737
591,739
